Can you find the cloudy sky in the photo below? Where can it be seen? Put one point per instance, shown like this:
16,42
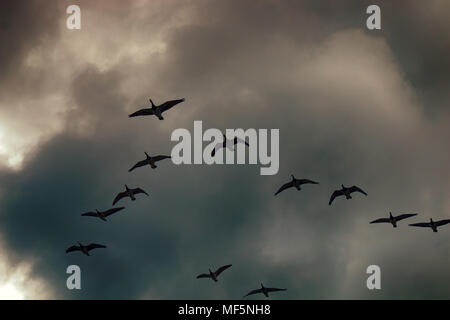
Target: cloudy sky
353,106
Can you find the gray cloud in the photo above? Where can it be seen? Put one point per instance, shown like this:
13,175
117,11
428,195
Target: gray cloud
350,109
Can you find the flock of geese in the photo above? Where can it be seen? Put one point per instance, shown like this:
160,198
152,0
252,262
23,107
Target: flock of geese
131,193
344,191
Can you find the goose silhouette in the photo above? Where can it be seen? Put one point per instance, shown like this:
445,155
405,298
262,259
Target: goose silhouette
215,274
102,214
345,192
394,219
265,291
156,110
129,192
149,161
432,224
295,183
228,143
85,249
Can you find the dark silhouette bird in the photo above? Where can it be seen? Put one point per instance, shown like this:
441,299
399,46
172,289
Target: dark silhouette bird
394,219
215,274
345,192
128,193
264,291
149,161
156,110
102,214
295,183
85,249
228,143
432,224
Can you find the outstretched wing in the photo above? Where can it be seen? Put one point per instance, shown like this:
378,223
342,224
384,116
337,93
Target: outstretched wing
274,289
404,216
442,222
381,220
73,248
253,292
222,269
112,211
94,246
139,190
285,186
169,104
203,275
357,189
160,157
139,164
142,112
90,214
335,194
307,181
120,196
420,224
239,140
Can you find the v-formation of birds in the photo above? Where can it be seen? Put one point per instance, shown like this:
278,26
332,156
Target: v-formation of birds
293,183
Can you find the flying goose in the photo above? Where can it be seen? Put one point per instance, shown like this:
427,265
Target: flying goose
264,291
128,193
149,161
228,143
345,192
215,274
295,183
394,219
85,249
156,110
432,224
102,214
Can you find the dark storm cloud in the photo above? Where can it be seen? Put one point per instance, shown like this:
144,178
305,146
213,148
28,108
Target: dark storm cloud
346,111
24,25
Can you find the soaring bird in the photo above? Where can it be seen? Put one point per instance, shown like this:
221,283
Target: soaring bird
128,193
156,110
85,249
102,214
394,219
215,274
432,224
345,192
295,183
228,143
149,161
264,291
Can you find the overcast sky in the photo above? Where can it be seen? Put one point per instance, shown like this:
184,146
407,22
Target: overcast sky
353,106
